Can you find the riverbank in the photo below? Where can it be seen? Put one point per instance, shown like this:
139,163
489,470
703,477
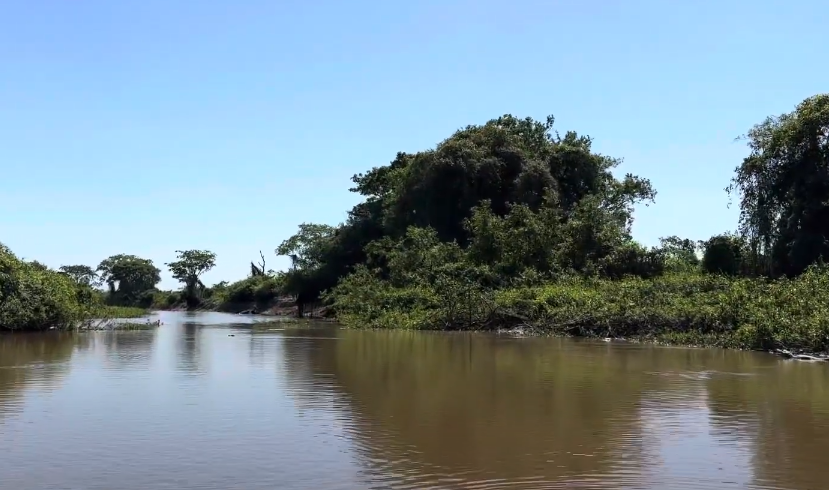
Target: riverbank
34,297
679,309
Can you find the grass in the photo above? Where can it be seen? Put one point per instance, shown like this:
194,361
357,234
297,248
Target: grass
106,317
687,309
106,312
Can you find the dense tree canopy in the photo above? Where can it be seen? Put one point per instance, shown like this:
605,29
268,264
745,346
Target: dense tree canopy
128,276
472,190
724,254
784,189
518,198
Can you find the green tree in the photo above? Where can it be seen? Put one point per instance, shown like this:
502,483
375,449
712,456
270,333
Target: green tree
81,274
506,161
313,262
307,248
520,241
680,253
783,186
128,277
191,264
517,166
723,254
33,297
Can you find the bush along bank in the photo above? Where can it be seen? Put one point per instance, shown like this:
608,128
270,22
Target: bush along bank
34,297
683,308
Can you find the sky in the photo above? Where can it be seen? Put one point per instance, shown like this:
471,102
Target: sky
146,127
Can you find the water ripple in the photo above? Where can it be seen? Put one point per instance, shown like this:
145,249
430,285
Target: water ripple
188,407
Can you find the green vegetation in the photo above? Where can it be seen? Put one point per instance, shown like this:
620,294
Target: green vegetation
34,297
511,224
117,312
190,265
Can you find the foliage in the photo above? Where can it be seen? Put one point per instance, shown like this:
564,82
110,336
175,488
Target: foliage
38,265
128,277
691,308
510,224
81,274
471,190
312,270
191,264
681,254
253,290
783,187
37,298
118,312
167,299
307,248
33,297
723,254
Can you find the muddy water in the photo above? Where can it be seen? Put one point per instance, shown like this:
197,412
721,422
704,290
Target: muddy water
212,401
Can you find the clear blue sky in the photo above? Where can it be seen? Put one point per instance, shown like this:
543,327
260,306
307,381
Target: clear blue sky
148,126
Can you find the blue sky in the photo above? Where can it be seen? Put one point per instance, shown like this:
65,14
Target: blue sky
148,126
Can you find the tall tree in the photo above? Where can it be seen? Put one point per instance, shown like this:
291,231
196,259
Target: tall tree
191,264
127,276
783,187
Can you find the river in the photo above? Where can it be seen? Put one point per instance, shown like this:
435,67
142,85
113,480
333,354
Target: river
215,401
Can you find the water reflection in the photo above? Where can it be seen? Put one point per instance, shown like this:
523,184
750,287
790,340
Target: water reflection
480,409
126,349
488,412
31,362
188,345
785,412
210,401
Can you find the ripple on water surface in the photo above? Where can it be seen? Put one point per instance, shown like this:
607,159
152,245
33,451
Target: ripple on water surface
212,401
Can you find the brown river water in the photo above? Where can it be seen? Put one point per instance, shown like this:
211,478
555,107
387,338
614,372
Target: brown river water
214,401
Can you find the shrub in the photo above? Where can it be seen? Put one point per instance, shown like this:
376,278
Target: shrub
33,297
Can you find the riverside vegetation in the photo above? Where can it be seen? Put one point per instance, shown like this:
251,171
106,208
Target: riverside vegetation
34,297
511,224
